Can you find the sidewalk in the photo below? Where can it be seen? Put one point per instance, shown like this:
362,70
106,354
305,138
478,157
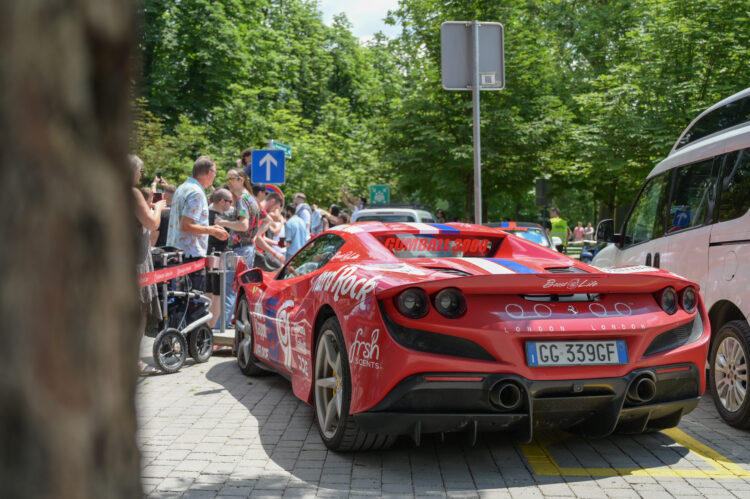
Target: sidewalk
208,431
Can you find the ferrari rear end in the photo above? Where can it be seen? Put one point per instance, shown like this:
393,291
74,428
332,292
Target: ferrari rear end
588,352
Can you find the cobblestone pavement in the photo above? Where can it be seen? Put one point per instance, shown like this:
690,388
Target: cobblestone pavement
208,431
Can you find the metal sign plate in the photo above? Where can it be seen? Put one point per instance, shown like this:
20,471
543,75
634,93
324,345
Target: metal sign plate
457,54
267,166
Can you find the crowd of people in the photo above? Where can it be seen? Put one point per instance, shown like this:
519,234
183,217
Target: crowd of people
557,227
245,218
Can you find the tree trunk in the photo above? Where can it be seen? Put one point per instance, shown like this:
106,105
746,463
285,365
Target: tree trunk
69,302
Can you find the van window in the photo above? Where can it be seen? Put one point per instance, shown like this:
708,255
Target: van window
692,196
735,186
732,114
646,221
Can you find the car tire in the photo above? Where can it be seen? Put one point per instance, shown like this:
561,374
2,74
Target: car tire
728,373
201,343
244,341
332,396
170,350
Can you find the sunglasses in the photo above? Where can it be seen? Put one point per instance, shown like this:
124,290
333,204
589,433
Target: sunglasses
232,179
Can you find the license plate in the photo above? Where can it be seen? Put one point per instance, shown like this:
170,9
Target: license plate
576,353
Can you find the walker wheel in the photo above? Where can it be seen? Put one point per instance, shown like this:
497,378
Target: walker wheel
170,350
201,343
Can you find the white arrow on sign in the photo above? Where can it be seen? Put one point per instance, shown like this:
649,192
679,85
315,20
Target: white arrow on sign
268,160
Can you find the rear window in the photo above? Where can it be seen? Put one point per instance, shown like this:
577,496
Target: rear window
534,235
439,245
386,218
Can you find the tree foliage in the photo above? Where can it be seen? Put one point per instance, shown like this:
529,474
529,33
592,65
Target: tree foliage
635,73
596,93
222,76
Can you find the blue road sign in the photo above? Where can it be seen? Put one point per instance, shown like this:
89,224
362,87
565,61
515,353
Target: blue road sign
267,167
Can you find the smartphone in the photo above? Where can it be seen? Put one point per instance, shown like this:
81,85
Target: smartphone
158,196
158,175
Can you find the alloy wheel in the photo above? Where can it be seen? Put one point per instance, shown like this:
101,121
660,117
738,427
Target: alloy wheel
731,374
329,384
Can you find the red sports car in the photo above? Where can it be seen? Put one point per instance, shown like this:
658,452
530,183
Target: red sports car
408,328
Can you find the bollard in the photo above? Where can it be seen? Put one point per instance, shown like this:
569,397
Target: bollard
227,259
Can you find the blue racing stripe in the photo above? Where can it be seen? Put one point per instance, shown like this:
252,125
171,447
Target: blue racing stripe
514,266
445,229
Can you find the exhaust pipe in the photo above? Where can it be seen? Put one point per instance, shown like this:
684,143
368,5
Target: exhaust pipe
506,395
642,389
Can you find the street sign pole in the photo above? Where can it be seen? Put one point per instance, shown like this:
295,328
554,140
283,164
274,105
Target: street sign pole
477,139
471,58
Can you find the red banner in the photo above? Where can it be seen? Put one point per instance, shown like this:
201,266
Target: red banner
162,275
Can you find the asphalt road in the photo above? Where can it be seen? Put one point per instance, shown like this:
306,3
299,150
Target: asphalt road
208,431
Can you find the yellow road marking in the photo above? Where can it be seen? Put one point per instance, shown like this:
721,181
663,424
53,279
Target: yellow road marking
543,463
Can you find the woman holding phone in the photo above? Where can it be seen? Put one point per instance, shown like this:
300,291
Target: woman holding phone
148,220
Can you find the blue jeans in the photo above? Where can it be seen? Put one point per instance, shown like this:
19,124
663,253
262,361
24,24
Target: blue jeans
247,253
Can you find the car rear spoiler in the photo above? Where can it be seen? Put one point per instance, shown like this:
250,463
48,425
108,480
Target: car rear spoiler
550,284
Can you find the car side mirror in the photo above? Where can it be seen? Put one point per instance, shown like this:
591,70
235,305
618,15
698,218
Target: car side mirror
605,231
252,276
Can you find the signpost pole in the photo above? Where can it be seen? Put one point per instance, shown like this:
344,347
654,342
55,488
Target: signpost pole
477,142
487,72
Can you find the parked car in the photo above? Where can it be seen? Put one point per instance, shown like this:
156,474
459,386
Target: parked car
691,217
394,213
527,230
411,328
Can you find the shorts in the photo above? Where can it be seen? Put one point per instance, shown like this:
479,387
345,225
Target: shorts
197,278
213,283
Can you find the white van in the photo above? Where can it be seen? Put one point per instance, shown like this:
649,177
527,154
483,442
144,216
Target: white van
692,218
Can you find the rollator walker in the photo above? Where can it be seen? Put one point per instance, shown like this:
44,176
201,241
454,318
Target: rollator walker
186,321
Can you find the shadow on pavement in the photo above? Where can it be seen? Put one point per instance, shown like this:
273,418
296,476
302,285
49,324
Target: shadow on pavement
289,437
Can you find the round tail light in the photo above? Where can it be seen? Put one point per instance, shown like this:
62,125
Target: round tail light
668,300
689,299
413,303
450,303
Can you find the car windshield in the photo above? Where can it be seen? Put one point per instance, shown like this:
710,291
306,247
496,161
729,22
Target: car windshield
439,245
531,234
386,218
